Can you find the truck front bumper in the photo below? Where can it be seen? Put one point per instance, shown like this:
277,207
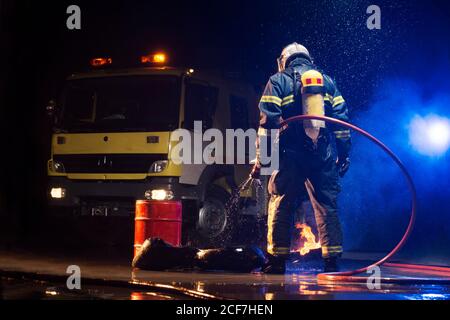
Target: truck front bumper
110,197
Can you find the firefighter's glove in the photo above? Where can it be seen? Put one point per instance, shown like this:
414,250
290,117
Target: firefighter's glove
343,165
256,172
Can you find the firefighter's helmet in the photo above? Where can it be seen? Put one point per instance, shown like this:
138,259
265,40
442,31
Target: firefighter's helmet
290,51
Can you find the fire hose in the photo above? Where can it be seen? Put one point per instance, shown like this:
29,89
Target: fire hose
350,275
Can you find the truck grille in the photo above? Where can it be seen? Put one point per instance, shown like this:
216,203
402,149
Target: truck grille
108,163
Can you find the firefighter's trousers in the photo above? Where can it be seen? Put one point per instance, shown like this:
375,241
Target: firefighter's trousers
320,178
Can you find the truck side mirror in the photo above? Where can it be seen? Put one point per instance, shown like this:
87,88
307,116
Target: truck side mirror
52,111
51,108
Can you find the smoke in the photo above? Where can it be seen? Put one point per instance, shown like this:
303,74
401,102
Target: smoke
375,200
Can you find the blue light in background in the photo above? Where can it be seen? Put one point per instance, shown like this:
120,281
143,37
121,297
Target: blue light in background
430,135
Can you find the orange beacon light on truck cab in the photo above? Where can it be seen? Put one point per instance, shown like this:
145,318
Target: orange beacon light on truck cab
101,62
157,58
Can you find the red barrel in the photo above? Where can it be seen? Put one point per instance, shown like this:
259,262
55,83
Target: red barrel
157,219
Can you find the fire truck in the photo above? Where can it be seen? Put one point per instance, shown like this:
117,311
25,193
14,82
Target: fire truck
112,139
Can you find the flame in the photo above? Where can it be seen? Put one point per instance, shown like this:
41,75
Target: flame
309,239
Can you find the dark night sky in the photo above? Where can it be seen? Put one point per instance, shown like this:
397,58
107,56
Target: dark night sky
38,52
244,36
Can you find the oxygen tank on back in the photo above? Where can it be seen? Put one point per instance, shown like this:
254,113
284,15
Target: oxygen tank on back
313,91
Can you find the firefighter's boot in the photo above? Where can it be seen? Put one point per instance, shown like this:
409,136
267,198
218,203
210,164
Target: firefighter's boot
330,264
276,264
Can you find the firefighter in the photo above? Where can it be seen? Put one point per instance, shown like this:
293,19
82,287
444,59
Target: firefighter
313,152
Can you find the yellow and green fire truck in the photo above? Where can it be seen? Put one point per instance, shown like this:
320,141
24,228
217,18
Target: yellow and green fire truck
111,143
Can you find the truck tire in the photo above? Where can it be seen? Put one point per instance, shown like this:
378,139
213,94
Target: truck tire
216,223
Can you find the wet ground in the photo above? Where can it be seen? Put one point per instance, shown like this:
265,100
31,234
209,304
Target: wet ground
36,269
36,275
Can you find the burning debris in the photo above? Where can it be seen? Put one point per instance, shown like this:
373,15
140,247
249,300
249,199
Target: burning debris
156,254
307,240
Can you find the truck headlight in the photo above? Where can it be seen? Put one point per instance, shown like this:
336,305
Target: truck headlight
159,195
159,166
58,193
56,166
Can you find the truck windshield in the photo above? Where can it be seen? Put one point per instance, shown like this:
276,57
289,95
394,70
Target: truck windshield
127,103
